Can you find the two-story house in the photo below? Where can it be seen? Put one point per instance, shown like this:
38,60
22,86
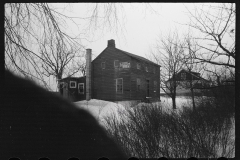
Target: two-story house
117,75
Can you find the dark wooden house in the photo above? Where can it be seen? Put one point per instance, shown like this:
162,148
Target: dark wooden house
117,75
184,77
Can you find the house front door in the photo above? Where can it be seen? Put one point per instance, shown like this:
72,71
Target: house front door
148,88
65,90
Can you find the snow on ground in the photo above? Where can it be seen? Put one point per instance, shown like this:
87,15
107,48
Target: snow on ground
166,103
180,101
101,109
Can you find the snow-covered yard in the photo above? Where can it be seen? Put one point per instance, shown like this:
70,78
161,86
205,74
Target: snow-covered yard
101,109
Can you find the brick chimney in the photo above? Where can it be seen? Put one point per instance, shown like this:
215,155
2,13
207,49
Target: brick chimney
88,74
111,43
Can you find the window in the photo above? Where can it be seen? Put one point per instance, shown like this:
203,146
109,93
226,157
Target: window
154,70
183,76
138,66
103,65
81,88
155,85
119,85
138,84
73,84
125,65
116,63
146,68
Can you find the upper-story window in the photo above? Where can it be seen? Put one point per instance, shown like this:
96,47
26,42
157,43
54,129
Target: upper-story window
154,70
103,65
116,63
183,76
138,66
146,68
125,65
73,84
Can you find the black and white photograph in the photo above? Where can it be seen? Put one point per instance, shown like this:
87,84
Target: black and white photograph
118,80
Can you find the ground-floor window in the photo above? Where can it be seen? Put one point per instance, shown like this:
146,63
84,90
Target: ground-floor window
119,85
138,84
81,88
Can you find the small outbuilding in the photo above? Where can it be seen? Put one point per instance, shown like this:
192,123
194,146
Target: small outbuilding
73,88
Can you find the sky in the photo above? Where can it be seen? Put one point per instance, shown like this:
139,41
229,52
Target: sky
138,28
142,25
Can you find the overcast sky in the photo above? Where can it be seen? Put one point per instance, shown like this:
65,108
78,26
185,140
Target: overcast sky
142,24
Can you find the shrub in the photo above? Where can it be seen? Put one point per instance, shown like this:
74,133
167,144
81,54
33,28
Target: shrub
224,98
150,132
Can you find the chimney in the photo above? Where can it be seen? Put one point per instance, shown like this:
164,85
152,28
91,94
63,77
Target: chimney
88,74
111,43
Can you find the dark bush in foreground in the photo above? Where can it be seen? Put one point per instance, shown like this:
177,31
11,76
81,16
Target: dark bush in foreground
224,98
151,132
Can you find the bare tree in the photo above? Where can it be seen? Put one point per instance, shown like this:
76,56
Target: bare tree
168,55
218,75
27,26
216,24
190,65
58,59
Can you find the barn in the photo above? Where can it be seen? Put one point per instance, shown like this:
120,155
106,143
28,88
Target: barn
114,75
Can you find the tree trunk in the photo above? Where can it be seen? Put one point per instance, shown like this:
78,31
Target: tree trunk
59,76
192,94
174,101
193,101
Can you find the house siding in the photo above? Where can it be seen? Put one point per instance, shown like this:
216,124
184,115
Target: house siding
144,76
104,80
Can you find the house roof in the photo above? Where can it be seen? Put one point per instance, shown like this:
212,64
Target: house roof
195,74
111,45
71,78
129,54
136,56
